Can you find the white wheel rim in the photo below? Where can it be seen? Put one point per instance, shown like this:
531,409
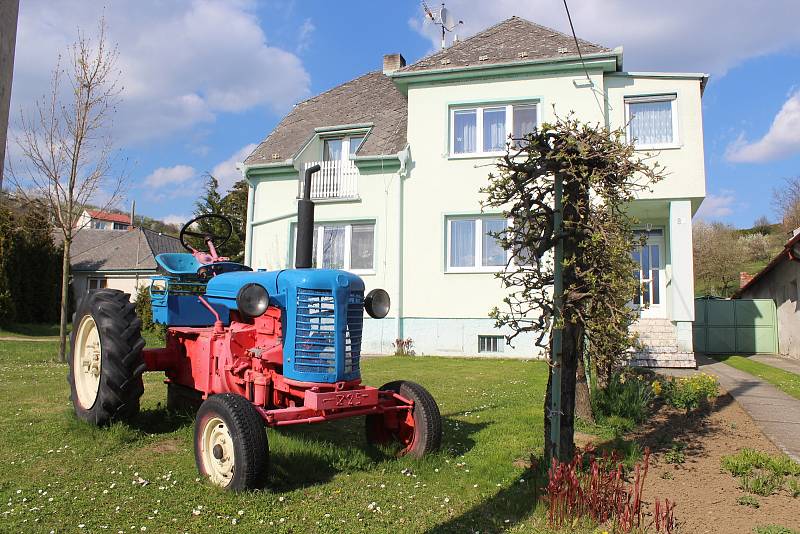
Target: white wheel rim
87,362
217,452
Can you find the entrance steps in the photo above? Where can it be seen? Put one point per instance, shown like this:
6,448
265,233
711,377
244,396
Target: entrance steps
658,346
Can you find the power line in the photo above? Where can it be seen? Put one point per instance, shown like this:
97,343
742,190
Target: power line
583,63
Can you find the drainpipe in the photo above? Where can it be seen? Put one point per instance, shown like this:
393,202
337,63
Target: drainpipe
248,227
405,158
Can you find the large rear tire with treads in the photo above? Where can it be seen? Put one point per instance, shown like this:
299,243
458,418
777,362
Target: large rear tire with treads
106,363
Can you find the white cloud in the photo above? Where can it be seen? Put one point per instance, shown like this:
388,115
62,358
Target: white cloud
182,62
304,36
683,35
169,176
226,172
176,219
782,139
716,206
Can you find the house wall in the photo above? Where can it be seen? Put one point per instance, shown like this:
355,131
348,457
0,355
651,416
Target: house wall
781,285
445,312
684,163
127,282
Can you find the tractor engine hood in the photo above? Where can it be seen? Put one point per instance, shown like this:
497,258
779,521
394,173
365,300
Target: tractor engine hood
223,288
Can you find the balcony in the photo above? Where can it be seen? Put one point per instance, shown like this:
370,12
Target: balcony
336,180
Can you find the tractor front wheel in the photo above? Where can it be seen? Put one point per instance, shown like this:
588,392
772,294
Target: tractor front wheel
230,443
106,363
418,431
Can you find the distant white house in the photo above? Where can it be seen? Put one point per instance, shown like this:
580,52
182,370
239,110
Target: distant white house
103,220
405,151
115,260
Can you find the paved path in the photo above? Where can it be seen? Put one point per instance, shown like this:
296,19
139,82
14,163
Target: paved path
775,412
787,364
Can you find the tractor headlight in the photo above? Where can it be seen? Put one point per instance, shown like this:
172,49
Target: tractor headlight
252,300
377,303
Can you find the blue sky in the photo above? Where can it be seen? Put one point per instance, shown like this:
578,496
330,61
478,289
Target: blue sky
205,80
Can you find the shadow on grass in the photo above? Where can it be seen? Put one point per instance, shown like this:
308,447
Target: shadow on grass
32,329
506,508
321,451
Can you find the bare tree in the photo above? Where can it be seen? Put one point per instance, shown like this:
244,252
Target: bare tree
65,144
786,202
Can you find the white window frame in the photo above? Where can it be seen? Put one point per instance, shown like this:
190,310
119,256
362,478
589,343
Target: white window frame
477,267
673,100
348,241
345,144
479,108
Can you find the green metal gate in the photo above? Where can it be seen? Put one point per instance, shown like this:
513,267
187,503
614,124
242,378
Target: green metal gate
735,326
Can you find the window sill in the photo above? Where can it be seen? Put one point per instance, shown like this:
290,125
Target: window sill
473,270
477,155
645,148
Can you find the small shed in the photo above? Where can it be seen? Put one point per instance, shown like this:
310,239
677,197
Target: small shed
778,281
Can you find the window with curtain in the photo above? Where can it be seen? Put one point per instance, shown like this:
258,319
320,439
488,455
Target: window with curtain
485,129
525,120
343,246
464,131
332,150
494,129
651,121
355,143
472,244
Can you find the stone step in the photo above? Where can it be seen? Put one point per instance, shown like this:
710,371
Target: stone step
672,360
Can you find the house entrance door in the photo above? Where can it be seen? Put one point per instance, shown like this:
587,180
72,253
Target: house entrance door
650,274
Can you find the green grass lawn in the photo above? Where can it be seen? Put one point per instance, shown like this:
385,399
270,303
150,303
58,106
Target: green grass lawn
58,473
787,382
30,330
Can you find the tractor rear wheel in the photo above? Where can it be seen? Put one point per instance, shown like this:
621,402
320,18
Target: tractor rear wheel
418,431
230,443
106,363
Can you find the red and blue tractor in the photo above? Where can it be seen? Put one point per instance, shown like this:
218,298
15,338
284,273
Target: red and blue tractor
248,349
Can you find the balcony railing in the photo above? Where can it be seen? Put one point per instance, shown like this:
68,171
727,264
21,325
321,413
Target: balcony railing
335,179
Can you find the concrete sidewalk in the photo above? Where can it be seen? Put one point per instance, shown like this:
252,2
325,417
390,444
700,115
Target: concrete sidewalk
776,413
787,364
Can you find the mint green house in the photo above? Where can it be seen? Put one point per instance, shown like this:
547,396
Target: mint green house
405,150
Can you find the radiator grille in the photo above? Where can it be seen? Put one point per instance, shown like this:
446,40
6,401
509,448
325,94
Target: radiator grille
355,324
315,340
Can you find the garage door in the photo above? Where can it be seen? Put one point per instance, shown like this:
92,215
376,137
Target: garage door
735,326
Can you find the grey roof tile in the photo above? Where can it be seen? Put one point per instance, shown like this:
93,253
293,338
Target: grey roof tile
371,98
510,41
104,250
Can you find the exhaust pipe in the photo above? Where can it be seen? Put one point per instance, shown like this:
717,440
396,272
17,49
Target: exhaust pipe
305,224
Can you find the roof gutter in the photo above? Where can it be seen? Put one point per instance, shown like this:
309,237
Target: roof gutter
595,60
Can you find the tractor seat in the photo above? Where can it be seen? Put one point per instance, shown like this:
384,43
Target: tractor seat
178,264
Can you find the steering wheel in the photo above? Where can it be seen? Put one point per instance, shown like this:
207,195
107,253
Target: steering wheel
216,240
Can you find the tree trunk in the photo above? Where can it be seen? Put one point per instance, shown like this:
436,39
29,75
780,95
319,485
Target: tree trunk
583,402
62,330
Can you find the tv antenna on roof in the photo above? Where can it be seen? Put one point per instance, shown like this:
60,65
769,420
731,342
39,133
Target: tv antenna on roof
444,19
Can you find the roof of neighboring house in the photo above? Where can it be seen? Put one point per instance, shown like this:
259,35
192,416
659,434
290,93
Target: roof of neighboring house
101,250
108,216
369,99
783,255
513,40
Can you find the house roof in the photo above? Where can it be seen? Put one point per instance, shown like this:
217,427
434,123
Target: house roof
131,250
369,99
108,216
783,255
513,40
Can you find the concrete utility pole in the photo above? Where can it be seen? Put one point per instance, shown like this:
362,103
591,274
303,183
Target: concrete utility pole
9,11
557,330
